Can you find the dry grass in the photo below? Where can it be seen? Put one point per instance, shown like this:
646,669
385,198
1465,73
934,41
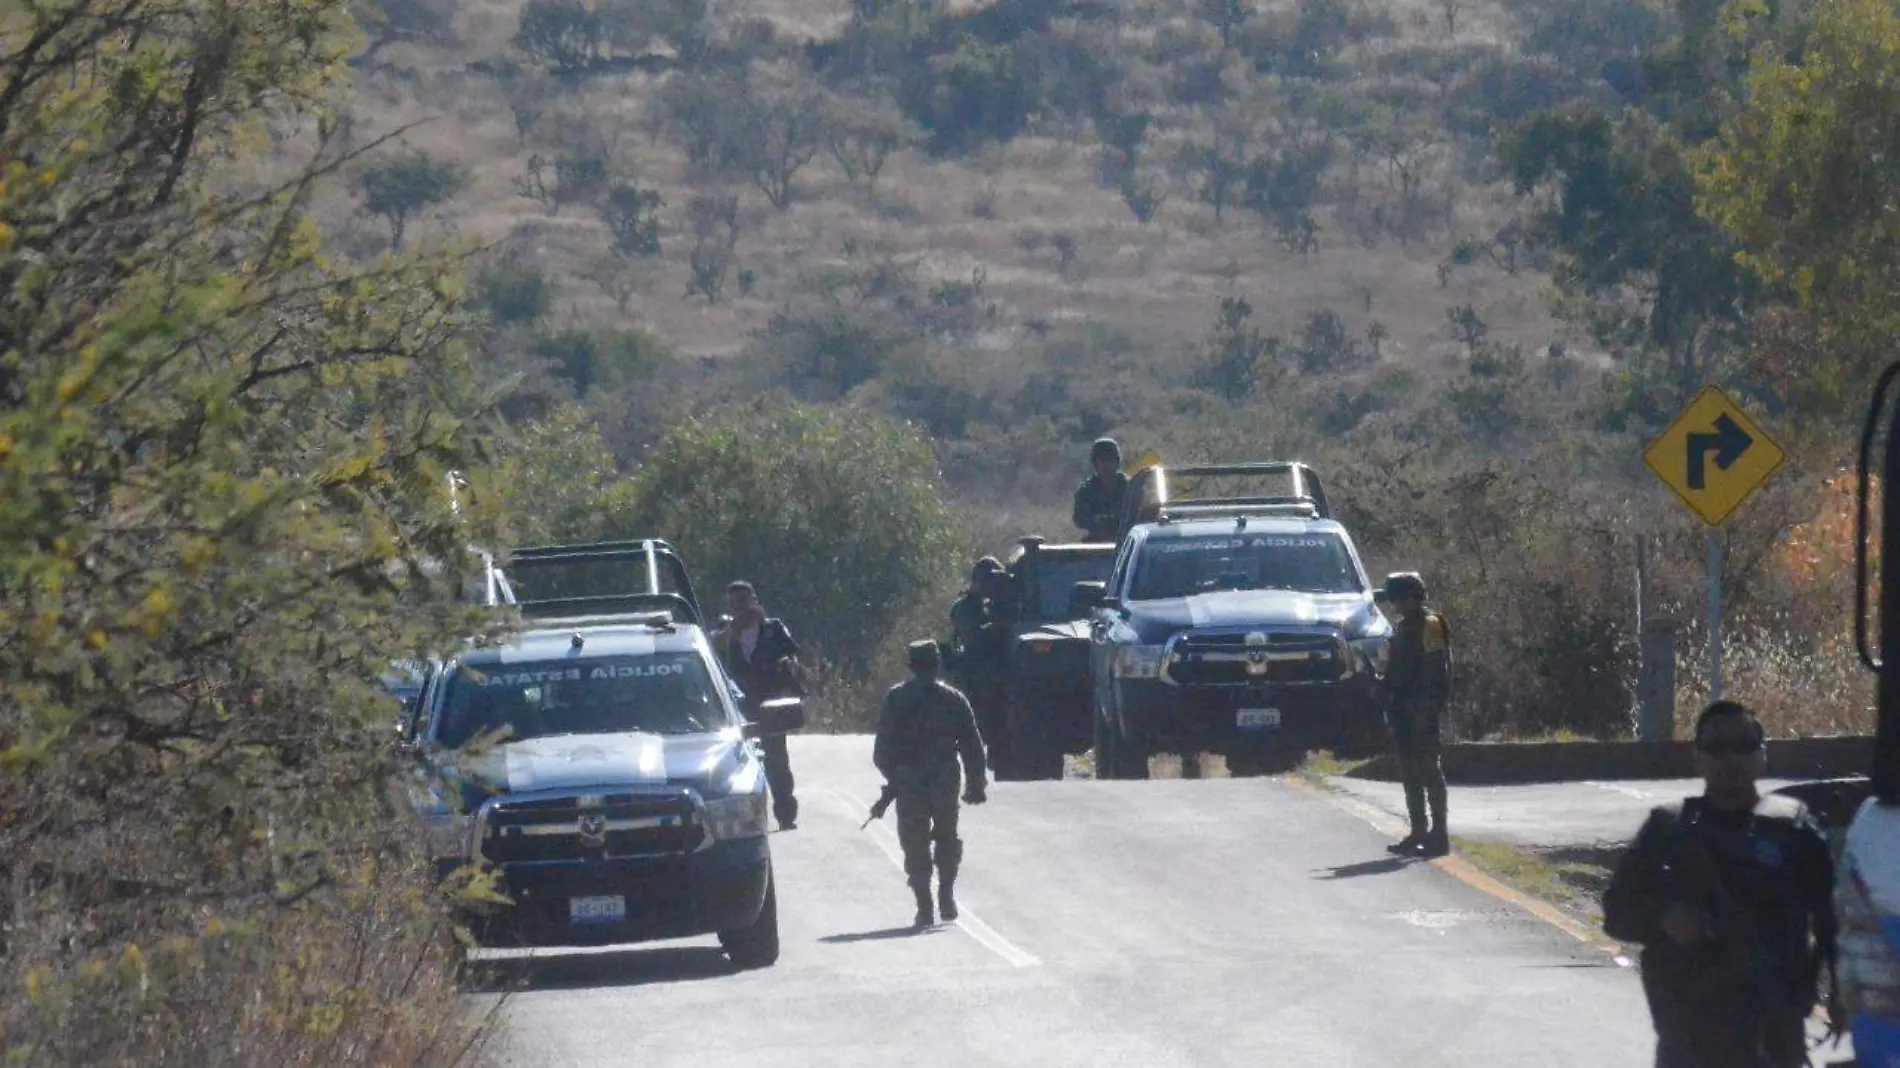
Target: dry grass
1159,281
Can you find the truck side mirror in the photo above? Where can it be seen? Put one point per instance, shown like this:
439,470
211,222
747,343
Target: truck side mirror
780,715
1086,597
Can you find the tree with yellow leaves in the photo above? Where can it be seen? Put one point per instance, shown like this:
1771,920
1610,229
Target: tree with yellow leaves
222,511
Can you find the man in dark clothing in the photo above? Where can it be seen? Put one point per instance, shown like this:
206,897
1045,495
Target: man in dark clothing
760,655
926,726
1098,500
1418,682
979,651
1730,896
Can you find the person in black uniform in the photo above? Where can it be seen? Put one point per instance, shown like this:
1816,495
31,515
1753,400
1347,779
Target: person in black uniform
1730,894
1418,682
760,655
925,728
1098,500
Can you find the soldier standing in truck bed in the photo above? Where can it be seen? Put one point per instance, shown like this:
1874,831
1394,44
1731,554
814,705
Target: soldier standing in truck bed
925,728
1098,500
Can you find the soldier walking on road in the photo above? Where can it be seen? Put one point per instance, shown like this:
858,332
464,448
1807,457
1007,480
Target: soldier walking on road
925,728
1098,500
1730,896
1418,681
760,655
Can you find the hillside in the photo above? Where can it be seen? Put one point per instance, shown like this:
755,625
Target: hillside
1046,236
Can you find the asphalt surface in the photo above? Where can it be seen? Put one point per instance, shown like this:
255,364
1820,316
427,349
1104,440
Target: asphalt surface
1543,815
1153,923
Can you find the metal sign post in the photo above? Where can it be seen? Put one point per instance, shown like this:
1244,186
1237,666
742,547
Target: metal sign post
1718,552
1714,457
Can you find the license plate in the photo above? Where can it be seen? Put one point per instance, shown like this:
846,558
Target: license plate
1257,717
597,909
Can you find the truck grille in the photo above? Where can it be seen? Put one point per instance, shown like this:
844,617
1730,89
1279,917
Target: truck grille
1228,660
613,825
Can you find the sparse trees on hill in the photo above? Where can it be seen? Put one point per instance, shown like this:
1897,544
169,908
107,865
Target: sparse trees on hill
399,187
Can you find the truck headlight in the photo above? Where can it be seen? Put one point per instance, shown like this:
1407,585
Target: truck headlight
1137,661
738,816
1869,962
1369,654
444,827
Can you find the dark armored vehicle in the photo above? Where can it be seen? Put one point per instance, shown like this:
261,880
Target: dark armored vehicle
1241,624
1049,703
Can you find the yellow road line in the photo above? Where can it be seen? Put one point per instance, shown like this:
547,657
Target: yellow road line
1465,872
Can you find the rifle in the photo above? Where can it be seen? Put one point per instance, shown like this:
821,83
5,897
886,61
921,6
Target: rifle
881,805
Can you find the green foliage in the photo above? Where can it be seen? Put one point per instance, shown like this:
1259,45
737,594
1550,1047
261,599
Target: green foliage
558,482
566,36
1239,358
608,360
1624,216
515,292
834,514
223,512
977,94
398,188
1803,179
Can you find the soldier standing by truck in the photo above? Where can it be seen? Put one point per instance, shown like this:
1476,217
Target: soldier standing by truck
760,655
1418,680
925,728
980,631
1729,895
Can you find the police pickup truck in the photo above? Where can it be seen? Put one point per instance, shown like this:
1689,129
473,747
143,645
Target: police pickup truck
1241,625
601,767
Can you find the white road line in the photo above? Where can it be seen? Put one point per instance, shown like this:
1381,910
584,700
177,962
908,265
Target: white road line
966,920
1626,791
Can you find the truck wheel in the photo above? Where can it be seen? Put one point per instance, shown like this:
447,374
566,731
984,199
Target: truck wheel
756,946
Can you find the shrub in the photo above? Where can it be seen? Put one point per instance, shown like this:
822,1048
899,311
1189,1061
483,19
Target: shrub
515,292
835,512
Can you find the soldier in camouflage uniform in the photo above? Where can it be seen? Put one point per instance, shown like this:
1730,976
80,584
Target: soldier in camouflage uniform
979,655
1097,508
1418,681
926,726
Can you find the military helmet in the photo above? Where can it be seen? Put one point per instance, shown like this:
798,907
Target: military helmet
923,655
1402,584
1105,449
984,568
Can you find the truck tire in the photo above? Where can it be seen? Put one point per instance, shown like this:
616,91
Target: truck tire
756,946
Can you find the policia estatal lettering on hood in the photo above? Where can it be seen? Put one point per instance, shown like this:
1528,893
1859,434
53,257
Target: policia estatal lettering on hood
926,726
1730,896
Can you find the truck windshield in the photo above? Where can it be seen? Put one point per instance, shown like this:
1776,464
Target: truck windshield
1182,567
664,693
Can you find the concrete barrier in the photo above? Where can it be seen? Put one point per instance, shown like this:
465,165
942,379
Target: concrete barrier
1503,763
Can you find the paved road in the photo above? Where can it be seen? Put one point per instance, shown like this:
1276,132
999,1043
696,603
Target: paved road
1152,924
1543,815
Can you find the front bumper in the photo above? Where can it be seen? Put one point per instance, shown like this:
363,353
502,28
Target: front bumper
1164,718
721,888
